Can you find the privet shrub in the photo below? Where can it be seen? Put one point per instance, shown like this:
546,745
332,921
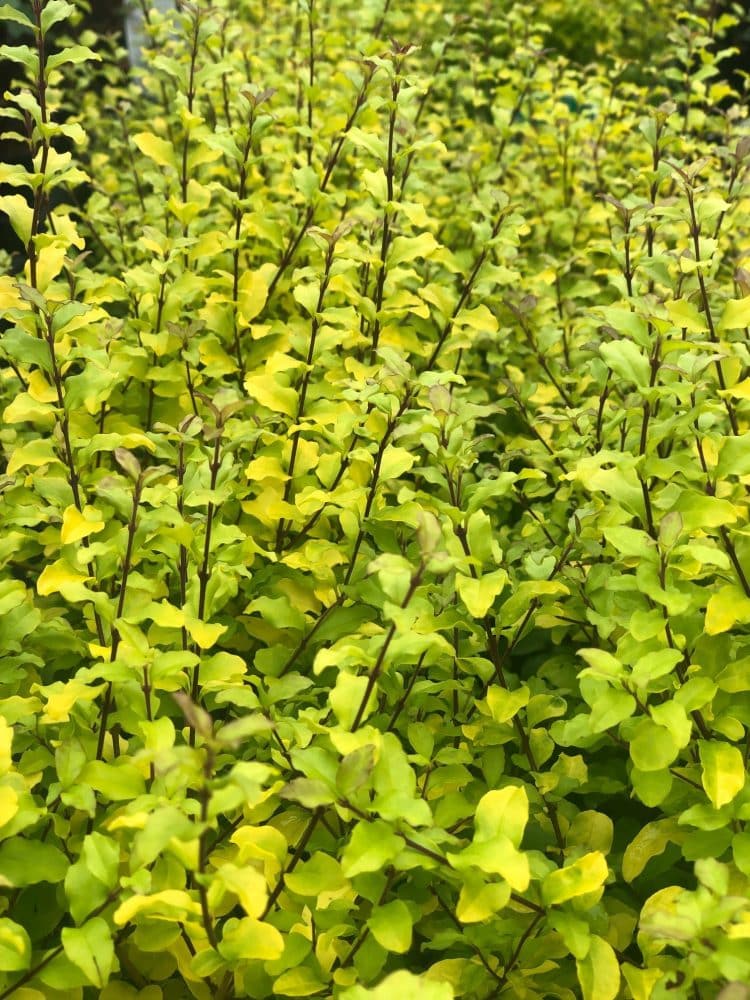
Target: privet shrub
375,552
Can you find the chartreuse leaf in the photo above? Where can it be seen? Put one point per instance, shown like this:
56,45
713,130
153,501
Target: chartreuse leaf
725,609
27,862
500,820
321,873
252,293
79,524
480,899
724,772
736,314
478,594
652,747
649,842
504,704
585,875
371,846
574,931
404,985
91,949
20,214
89,881
641,982
159,150
391,926
55,11
15,946
173,905
627,360
599,971
248,938
346,698
10,13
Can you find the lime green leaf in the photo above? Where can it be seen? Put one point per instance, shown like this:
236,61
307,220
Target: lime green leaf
724,773
650,841
159,150
391,926
8,804
654,665
725,609
396,461
321,873
587,874
736,314
504,704
301,982
626,360
248,938
404,986
74,54
408,248
641,982
169,904
55,11
26,862
91,949
610,709
479,899
20,214
734,458
370,848
495,857
686,316
15,946
479,594
346,697
117,781
9,13
267,391
599,971
252,293
505,812
574,931
61,578
652,747
22,54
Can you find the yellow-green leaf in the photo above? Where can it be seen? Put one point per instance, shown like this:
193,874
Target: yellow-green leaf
159,150
267,391
77,525
20,214
736,314
479,595
396,461
391,926
725,608
251,295
723,775
204,633
8,804
599,971
248,938
408,248
60,578
504,704
650,841
585,875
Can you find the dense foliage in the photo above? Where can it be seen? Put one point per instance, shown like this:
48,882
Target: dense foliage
374,550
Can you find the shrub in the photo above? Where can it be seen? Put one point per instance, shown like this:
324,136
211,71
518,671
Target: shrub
374,563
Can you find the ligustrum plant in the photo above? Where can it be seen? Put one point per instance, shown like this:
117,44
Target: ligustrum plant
374,537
